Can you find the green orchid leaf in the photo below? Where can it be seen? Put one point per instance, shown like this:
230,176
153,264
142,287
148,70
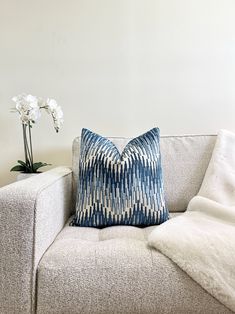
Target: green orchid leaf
27,167
23,167
18,168
21,162
38,165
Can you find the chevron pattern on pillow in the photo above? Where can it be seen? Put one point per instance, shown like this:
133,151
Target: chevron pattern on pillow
120,188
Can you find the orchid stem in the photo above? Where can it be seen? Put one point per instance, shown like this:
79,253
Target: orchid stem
25,149
28,154
30,143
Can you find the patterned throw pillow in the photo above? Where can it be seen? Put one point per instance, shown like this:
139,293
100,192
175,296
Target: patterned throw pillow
120,188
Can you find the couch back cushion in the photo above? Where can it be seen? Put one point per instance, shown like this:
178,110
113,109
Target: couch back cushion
184,163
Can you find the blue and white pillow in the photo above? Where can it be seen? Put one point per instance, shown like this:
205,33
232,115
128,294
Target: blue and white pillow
120,188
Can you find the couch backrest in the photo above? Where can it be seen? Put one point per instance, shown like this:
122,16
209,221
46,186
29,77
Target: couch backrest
184,162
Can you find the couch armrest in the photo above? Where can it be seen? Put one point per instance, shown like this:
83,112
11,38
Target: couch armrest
32,213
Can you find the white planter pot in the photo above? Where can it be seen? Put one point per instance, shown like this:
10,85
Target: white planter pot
23,176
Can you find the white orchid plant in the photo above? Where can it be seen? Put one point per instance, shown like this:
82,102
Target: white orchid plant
29,109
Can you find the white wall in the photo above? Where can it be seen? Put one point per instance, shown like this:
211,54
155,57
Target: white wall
118,67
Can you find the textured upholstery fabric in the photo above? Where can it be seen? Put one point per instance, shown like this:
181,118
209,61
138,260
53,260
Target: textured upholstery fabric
184,162
120,188
88,270
32,213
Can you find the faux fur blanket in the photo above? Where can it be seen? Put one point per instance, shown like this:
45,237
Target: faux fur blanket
202,240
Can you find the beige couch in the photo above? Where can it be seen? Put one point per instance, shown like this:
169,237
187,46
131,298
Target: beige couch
49,267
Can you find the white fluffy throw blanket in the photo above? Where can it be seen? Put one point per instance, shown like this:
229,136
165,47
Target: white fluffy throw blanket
202,240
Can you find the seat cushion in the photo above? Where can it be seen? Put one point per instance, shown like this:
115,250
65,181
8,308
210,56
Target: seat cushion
112,270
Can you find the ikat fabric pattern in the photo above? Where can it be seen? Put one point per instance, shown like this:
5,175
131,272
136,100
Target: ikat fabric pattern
120,188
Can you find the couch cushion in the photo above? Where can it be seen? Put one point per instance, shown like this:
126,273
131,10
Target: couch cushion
120,188
184,162
88,270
